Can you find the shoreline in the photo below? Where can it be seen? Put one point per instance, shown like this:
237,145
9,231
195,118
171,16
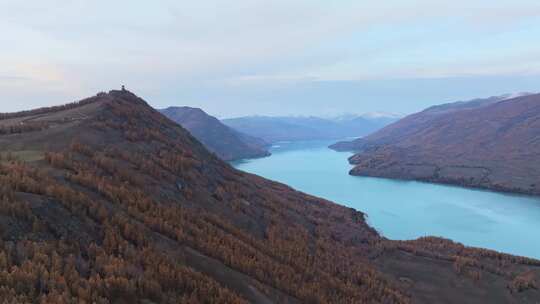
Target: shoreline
455,183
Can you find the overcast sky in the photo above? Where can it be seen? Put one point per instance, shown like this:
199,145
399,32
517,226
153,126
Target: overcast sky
274,57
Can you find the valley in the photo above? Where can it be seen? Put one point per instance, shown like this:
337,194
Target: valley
269,152
406,210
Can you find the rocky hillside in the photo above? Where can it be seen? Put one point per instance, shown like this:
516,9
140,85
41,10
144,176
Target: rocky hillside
492,143
276,129
227,143
108,201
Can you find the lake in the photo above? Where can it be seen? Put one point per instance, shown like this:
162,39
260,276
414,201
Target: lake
406,209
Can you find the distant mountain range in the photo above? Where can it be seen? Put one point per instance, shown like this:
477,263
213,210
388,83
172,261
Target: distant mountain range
275,129
227,143
491,143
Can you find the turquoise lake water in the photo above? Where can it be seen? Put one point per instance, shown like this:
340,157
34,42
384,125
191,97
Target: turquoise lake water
405,209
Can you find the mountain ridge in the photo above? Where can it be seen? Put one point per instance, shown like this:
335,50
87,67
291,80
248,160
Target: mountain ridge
226,142
292,128
487,143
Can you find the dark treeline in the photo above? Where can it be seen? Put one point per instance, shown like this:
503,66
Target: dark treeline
23,128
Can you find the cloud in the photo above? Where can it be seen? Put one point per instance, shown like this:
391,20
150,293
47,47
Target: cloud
4,78
84,46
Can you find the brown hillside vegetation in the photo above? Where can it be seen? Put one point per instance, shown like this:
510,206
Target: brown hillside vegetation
492,143
108,201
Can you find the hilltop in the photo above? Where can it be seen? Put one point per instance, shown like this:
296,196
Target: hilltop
227,143
108,201
487,143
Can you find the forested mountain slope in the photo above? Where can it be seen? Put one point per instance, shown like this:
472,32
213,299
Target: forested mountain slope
227,143
108,201
492,143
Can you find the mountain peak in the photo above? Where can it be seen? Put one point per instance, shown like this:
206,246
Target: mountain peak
126,95
184,110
